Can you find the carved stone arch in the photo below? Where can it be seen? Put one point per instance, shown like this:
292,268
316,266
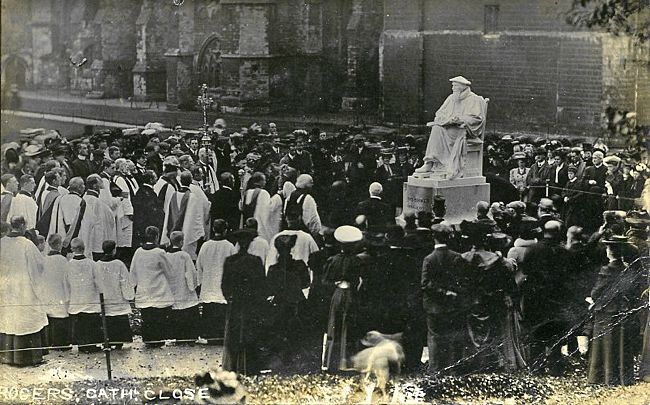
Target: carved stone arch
208,62
15,71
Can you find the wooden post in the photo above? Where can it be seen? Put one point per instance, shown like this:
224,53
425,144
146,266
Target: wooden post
107,346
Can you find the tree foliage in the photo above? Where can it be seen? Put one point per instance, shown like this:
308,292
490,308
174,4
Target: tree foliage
623,124
618,17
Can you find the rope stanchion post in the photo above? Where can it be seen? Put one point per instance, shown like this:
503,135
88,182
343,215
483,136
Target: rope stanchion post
107,346
546,188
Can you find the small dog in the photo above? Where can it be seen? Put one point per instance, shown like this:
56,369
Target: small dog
383,352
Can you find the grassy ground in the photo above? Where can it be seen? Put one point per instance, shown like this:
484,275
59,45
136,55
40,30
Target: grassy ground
157,375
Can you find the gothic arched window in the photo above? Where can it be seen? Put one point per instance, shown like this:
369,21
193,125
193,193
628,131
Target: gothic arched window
209,63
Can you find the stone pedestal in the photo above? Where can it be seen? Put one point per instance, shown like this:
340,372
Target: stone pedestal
461,194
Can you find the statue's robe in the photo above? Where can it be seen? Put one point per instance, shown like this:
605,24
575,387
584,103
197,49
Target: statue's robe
448,142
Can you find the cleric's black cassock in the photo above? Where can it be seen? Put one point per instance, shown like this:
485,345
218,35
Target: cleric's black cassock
147,211
244,286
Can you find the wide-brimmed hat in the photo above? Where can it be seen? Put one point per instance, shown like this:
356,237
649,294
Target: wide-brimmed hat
348,234
638,218
612,160
617,215
616,240
33,150
518,156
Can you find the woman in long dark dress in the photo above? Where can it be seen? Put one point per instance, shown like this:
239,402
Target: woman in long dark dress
244,286
342,276
615,335
286,280
492,322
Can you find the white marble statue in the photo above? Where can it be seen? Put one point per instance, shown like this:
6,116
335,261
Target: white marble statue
461,115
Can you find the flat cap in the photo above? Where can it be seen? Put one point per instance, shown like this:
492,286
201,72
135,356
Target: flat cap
461,80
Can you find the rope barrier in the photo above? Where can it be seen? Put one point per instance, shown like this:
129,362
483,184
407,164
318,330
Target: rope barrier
110,343
604,195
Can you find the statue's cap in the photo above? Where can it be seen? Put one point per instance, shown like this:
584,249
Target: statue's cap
461,80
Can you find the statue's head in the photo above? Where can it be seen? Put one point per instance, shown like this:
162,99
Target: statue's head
459,84
458,87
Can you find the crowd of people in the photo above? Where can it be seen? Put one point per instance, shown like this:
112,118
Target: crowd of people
270,242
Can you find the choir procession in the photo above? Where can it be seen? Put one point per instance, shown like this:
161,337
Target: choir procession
265,243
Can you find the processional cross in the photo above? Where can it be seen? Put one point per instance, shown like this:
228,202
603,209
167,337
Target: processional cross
204,101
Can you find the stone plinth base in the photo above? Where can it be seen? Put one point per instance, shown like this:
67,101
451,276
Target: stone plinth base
461,196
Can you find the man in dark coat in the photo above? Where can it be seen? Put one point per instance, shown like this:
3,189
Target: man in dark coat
147,209
558,176
225,202
594,176
537,175
378,213
443,285
546,266
360,164
154,160
299,158
82,166
572,198
593,181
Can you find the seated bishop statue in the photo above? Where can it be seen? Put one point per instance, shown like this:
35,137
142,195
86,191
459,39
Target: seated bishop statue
461,115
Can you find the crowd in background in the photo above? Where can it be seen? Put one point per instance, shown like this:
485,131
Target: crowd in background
268,240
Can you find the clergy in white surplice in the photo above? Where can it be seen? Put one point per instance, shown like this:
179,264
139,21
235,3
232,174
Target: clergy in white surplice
95,221
186,212
66,208
124,218
23,204
48,197
167,184
9,189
